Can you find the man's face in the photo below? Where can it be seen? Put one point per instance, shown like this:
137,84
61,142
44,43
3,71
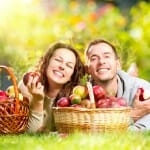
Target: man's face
102,62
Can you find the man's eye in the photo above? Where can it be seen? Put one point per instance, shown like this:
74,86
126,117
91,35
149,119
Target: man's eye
108,56
93,58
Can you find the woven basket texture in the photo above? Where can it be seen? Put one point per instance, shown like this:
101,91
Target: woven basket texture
69,119
14,113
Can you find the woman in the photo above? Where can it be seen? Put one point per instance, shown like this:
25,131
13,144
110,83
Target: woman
60,70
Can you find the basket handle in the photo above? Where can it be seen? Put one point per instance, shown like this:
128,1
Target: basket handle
14,81
91,95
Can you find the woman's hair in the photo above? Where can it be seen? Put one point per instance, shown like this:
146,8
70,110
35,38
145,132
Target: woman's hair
78,73
97,41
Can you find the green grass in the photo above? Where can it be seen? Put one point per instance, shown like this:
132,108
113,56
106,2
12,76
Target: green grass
76,141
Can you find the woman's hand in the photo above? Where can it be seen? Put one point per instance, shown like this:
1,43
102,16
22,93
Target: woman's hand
35,88
140,108
34,91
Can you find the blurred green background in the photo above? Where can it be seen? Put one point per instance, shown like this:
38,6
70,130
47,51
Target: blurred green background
28,27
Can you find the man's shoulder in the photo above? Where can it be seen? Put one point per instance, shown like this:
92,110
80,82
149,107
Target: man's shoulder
124,76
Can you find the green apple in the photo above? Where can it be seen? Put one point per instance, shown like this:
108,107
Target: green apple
75,99
11,93
80,90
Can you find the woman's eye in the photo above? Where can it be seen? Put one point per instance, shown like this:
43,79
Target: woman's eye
71,67
57,59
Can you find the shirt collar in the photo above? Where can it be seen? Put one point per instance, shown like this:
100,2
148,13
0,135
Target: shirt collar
120,87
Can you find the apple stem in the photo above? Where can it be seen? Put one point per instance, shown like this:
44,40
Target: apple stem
91,95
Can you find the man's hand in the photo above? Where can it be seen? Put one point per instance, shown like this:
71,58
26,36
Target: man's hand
140,108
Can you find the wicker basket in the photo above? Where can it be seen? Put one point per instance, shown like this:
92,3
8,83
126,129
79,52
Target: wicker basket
69,119
14,113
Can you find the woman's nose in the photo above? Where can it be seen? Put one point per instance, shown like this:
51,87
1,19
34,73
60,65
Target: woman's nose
62,66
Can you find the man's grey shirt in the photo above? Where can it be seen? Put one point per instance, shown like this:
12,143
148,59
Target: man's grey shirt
127,88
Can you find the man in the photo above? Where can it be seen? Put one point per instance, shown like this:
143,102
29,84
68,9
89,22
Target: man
104,66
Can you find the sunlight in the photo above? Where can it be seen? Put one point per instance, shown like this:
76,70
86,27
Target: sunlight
6,6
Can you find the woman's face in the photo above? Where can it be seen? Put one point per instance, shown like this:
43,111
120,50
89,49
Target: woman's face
61,66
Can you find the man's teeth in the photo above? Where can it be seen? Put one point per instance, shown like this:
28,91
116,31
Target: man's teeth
101,70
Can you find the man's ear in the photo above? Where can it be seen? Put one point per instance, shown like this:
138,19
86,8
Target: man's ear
118,64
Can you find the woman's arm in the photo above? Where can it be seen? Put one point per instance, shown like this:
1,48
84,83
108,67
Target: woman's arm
36,108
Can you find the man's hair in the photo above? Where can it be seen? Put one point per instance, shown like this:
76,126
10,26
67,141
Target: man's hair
97,41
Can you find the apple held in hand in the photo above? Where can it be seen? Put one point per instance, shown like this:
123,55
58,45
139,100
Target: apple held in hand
98,92
28,74
3,95
144,94
75,99
80,90
141,97
63,102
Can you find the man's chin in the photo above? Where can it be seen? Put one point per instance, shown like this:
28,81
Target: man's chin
102,78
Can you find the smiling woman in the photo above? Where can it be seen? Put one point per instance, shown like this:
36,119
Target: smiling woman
60,70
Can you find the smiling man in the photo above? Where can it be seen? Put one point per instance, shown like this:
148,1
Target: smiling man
104,67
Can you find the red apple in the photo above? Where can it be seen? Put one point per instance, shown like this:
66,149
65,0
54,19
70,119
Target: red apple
3,95
145,94
63,102
113,98
116,105
86,103
141,97
122,102
98,92
104,103
80,90
26,77
75,99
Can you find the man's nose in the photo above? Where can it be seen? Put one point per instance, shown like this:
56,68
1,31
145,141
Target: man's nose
101,61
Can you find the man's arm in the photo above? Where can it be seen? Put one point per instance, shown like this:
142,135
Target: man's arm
140,108
140,114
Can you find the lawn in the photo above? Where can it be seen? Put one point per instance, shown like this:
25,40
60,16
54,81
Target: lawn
76,141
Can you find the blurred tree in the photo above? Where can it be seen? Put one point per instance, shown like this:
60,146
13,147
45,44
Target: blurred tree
27,31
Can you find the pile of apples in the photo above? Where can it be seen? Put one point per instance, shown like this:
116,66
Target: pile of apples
80,98
9,94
